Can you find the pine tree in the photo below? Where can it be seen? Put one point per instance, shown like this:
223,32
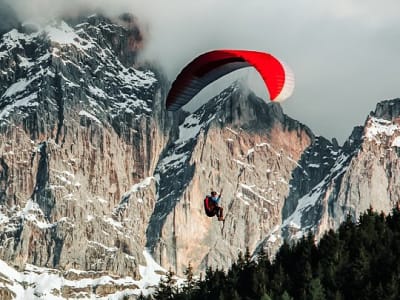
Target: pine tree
166,288
189,282
265,297
360,261
316,290
278,280
235,295
240,261
286,296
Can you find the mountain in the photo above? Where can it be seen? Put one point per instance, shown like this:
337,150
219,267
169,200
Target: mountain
365,175
81,131
97,179
236,143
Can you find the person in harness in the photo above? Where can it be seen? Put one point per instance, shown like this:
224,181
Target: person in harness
211,206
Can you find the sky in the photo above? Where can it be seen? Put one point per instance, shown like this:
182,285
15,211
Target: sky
344,53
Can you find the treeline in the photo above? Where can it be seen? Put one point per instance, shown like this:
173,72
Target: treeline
359,261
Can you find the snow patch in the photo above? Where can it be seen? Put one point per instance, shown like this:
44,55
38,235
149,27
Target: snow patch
377,127
396,142
173,161
65,35
43,283
250,151
89,116
30,213
189,129
3,219
141,185
151,273
314,166
272,239
98,92
113,222
17,87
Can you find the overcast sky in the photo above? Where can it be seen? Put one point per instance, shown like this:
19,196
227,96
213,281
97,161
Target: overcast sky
345,54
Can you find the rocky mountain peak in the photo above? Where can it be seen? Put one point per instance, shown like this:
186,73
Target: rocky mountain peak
388,110
81,133
235,142
383,125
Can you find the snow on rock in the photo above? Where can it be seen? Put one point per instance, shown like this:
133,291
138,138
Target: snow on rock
396,142
42,283
151,273
141,185
80,49
376,127
305,216
191,128
32,212
24,102
56,83
89,116
17,87
305,203
64,34
173,161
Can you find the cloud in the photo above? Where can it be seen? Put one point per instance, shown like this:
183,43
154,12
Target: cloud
344,53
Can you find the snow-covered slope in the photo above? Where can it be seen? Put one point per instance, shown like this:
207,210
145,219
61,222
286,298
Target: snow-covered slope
80,64
42,283
365,174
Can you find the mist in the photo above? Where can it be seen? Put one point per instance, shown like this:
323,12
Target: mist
344,53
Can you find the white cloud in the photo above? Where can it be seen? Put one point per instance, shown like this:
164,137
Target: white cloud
344,53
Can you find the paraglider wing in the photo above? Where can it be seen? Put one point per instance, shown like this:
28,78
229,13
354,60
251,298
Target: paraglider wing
212,65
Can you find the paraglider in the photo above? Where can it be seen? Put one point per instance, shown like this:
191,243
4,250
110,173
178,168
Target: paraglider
213,65
212,207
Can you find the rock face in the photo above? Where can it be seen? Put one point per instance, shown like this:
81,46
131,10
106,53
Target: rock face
81,131
364,175
235,143
373,177
93,170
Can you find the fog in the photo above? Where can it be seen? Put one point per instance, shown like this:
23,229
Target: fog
344,53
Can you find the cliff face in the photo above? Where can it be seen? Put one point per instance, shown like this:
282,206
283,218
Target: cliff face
364,175
93,170
373,175
81,131
235,143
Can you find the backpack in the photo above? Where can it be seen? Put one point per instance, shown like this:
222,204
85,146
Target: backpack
209,207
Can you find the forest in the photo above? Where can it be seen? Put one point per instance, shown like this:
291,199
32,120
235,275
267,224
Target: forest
360,260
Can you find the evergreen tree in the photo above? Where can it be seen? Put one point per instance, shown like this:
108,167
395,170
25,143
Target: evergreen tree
359,261
265,297
286,296
234,296
166,288
316,290
189,282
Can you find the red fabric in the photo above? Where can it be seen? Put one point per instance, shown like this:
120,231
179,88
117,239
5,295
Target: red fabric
209,207
270,69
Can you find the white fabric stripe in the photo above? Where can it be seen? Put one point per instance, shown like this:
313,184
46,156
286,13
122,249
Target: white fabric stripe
288,86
